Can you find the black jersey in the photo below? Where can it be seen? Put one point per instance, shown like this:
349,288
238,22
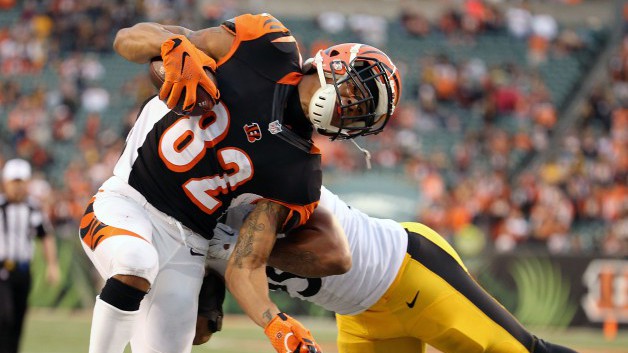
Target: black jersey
191,167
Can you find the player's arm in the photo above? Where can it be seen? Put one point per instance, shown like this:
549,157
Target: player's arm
214,41
319,248
44,232
49,247
245,277
143,41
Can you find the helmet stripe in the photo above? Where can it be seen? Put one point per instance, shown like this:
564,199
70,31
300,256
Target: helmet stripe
354,52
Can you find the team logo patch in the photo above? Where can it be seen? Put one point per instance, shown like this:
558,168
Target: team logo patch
274,127
253,132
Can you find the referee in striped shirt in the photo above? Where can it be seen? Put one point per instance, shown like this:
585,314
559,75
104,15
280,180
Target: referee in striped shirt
21,220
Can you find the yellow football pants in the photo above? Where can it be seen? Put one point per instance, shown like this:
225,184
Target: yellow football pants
433,300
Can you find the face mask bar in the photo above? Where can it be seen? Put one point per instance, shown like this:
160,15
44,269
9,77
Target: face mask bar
363,79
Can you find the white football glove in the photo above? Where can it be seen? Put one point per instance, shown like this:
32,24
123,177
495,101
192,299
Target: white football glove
222,244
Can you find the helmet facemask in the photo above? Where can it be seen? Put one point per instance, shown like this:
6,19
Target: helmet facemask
356,103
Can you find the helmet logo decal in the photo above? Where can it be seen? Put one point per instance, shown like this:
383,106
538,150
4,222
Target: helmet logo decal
253,132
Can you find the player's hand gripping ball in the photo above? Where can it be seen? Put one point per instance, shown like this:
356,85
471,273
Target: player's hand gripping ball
204,101
185,77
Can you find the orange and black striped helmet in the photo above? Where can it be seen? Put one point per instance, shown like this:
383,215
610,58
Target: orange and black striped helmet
360,88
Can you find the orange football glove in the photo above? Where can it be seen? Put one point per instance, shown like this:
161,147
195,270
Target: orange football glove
184,64
287,335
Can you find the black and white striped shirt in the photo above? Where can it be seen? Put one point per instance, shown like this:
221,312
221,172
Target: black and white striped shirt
20,223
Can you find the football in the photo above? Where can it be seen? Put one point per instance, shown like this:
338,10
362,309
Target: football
204,102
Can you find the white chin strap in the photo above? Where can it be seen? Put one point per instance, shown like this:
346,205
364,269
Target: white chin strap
323,101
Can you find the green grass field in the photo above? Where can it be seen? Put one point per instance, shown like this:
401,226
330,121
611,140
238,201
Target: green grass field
50,331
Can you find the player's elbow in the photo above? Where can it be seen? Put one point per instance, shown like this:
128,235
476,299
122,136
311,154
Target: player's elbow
135,43
243,268
334,258
233,276
319,248
120,42
336,261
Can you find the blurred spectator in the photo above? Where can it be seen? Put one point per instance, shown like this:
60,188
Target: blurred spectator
28,113
519,20
567,42
415,23
63,128
6,4
615,242
449,22
513,230
95,99
537,49
544,26
216,11
473,16
331,22
370,29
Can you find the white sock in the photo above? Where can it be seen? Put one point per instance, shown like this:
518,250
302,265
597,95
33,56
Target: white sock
112,328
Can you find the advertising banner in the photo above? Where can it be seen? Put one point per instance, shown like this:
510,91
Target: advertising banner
559,290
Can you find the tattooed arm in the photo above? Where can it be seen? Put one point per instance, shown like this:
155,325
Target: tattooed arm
246,269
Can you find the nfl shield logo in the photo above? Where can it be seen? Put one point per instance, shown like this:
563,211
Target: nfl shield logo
274,127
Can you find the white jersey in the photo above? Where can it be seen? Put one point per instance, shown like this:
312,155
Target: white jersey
378,247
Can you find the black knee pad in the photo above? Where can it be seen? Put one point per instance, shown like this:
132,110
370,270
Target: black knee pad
121,295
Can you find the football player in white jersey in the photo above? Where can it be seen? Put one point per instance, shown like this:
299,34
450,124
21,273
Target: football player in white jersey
407,287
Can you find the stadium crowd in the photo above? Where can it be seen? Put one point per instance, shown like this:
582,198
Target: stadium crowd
577,201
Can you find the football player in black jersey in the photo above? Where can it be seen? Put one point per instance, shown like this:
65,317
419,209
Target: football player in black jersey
149,224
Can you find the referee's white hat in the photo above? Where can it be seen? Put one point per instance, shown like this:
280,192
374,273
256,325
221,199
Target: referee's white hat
16,169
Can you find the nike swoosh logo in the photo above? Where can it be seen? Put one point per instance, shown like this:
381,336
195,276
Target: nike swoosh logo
185,55
177,42
194,253
411,304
